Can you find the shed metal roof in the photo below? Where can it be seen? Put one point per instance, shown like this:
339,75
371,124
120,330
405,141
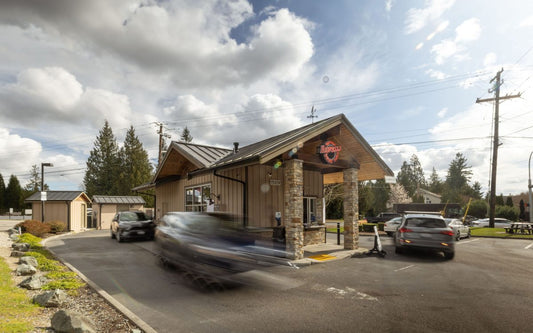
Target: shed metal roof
118,199
58,196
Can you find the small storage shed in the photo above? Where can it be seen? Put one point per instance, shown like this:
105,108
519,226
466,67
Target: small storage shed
66,206
106,206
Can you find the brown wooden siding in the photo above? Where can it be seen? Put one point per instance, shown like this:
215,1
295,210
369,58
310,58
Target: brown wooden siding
171,196
265,195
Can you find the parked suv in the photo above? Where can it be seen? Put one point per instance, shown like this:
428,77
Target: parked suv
425,231
132,224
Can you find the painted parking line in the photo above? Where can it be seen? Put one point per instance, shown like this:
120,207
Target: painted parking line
529,246
468,241
403,268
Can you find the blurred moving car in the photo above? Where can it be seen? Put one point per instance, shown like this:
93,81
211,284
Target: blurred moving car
132,224
212,244
498,223
425,231
391,226
460,230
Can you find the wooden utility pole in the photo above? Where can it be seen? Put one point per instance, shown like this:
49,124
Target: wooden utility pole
496,90
162,135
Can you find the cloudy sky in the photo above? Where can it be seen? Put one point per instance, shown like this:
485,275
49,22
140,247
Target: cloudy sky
405,73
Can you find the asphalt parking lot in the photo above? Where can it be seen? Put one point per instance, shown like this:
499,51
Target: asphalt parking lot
485,288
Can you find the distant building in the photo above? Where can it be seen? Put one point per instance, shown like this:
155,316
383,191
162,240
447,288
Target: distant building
106,206
69,207
429,197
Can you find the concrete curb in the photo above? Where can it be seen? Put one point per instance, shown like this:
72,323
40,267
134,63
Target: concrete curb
113,302
339,255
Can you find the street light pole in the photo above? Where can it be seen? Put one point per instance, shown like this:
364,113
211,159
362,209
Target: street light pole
529,186
43,193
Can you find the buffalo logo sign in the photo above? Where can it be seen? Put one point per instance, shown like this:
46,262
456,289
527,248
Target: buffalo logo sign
329,152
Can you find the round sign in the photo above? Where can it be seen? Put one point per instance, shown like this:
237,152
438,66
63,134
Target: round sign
329,152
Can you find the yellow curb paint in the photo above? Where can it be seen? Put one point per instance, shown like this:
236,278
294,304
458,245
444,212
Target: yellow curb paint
322,257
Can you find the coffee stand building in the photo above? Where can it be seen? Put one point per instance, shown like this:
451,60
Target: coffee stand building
276,184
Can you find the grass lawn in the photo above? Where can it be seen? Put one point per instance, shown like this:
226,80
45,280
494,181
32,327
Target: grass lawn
496,232
16,309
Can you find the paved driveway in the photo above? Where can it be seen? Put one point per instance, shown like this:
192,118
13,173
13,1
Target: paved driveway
487,287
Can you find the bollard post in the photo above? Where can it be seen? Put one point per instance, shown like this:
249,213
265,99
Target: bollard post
338,233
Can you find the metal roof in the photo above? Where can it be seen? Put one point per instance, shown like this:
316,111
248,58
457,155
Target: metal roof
118,199
58,196
286,140
202,156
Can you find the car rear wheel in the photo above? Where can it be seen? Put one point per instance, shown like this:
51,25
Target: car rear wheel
458,236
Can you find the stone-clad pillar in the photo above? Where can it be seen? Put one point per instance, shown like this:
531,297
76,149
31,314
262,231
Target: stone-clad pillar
351,209
293,204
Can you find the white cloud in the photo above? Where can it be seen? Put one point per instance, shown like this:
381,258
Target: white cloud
490,59
418,18
527,22
468,31
442,112
147,36
16,153
388,5
436,74
52,94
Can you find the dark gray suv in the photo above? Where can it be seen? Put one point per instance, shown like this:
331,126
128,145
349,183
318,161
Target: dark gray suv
425,231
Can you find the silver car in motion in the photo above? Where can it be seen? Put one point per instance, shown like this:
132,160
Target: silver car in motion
425,231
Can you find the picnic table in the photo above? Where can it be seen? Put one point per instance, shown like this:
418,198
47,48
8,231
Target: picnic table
520,227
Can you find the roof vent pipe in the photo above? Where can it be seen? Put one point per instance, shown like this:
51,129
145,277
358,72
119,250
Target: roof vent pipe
235,147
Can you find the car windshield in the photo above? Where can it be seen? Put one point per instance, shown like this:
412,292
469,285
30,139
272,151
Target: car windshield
132,216
424,222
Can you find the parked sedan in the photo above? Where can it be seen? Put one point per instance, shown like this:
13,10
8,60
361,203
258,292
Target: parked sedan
460,230
498,223
391,226
425,231
129,224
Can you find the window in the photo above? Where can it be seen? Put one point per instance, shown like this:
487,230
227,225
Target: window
425,222
197,198
309,207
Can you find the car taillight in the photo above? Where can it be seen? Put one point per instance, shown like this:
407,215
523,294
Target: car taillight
447,232
405,230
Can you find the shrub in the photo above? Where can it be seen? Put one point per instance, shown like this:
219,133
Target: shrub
510,213
34,241
65,284
478,208
33,227
57,226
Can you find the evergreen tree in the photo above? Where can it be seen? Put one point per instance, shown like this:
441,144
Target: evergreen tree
135,166
2,194
435,184
411,176
456,184
14,197
381,192
103,165
186,135
366,199
509,201
34,184
522,208
499,200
